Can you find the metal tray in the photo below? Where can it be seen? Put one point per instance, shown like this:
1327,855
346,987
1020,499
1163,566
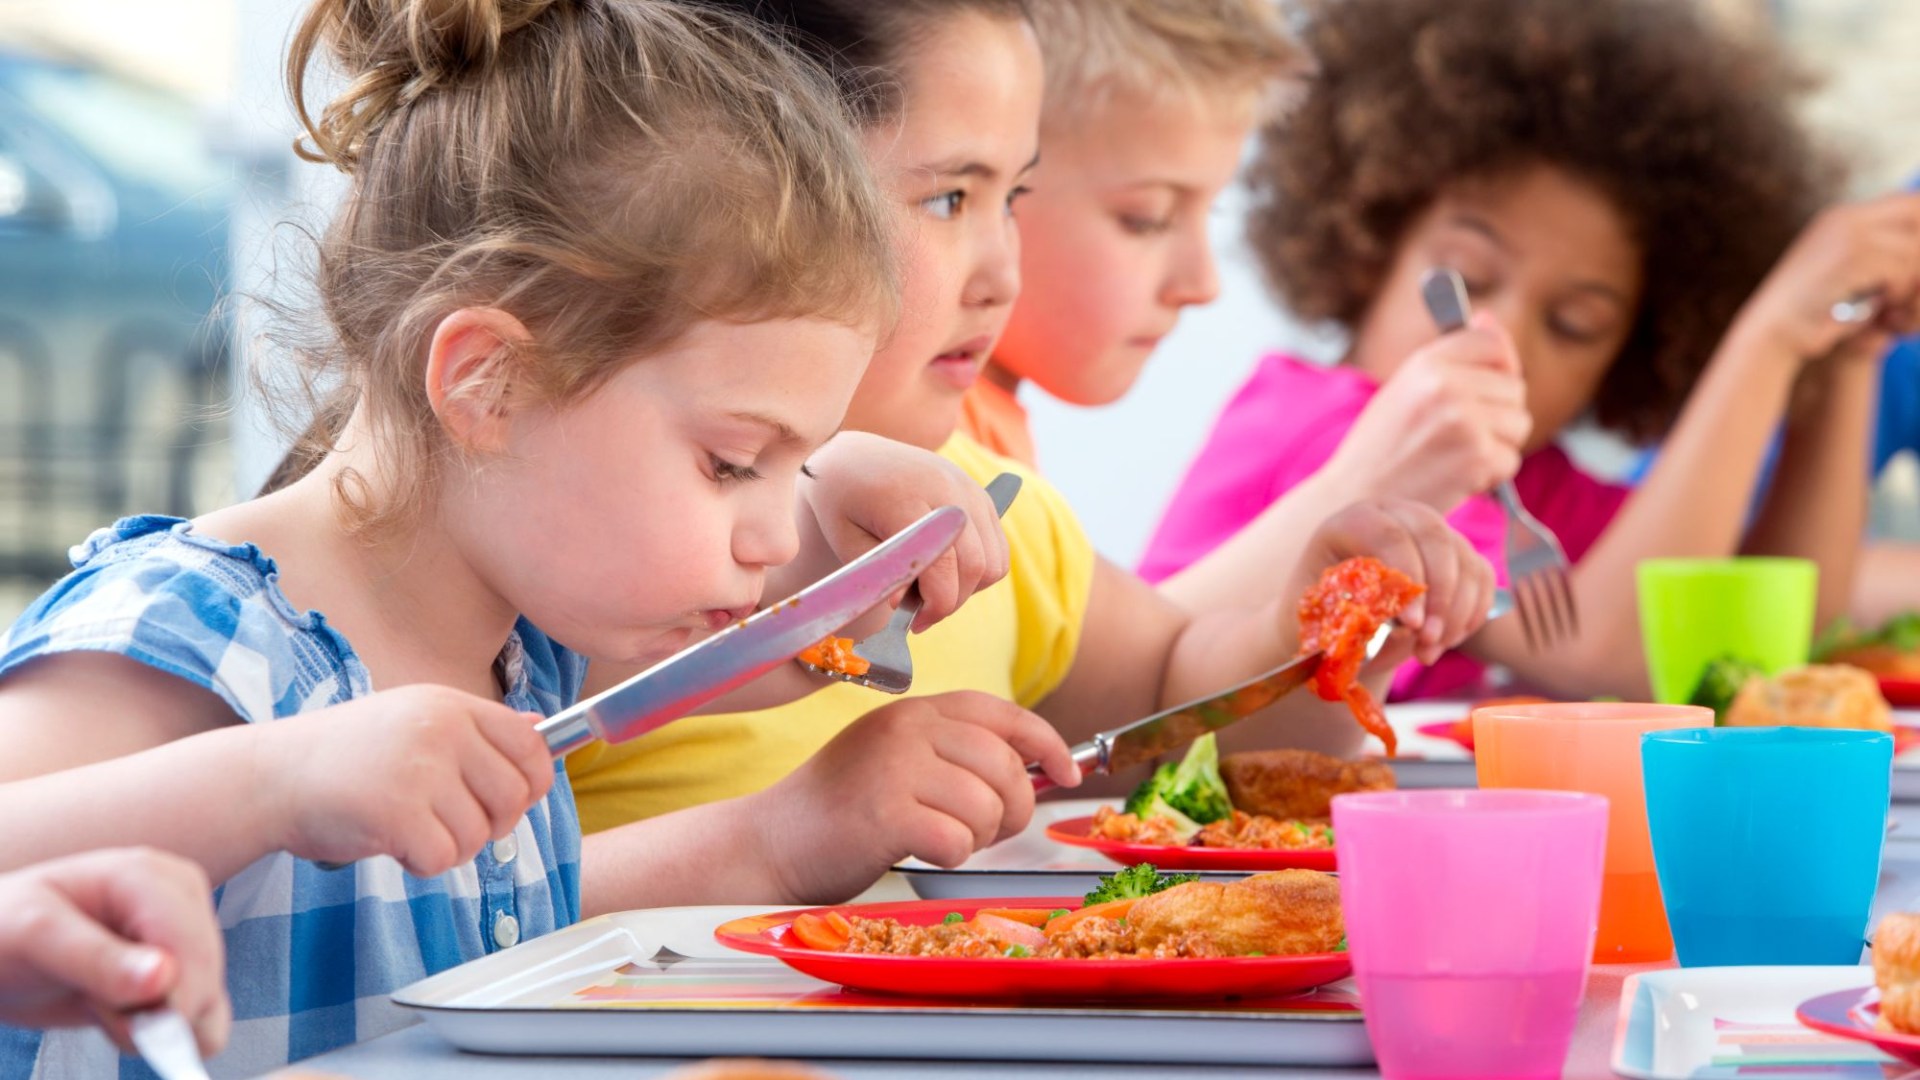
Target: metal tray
655,983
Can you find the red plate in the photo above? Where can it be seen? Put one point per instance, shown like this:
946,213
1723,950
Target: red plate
1078,832
1450,730
1900,693
1002,978
1850,1014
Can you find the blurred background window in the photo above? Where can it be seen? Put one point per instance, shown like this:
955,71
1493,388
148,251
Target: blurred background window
144,163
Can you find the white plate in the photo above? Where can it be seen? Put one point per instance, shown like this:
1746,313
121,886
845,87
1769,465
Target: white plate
655,983
1026,864
1707,1023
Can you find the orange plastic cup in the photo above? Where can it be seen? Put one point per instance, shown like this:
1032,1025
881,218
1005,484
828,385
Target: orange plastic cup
1594,748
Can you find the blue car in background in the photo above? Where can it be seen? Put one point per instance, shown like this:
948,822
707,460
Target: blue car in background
113,347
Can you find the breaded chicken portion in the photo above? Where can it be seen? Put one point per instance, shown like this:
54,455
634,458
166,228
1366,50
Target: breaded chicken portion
1896,971
1297,783
1285,913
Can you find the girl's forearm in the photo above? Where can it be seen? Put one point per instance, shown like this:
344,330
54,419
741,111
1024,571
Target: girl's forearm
201,797
1228,645
1817,506
710,854
1266,550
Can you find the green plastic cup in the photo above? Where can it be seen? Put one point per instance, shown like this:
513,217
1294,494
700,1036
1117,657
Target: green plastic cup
1696,611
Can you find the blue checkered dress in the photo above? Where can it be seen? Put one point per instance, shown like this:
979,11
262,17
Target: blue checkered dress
311,954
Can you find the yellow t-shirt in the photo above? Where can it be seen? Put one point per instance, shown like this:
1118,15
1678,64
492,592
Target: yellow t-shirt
993,417
1015,640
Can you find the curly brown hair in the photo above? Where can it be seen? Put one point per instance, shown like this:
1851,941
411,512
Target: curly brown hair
1685,128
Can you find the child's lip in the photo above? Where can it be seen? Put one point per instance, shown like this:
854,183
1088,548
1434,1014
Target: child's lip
718,618
970,350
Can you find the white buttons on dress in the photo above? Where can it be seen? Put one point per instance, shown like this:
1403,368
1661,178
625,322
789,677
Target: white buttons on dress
506,930
505,848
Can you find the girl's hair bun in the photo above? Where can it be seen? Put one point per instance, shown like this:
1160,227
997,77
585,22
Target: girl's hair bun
392,52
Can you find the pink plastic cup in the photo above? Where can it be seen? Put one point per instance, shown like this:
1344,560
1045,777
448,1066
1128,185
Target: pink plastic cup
1471,918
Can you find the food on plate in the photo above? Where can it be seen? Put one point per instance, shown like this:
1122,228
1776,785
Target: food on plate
1339,615
1135,882
1721,681
835,654
1186,795
1289,913
1818,695
1896,971
1297,783
1890,652
1194,803
1262,833
1284,913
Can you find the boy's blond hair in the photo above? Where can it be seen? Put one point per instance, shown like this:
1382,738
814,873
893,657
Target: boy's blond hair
1099,50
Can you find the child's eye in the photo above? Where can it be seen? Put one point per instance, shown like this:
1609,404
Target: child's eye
1136,225
726,472
1014,196
946,205
1579,335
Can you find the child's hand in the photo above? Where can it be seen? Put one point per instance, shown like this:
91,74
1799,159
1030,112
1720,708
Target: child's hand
426,774
1449,424
935,777
1849,251
93,938
867,488
1416,540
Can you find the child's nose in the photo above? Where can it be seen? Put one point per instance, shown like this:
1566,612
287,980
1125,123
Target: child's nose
1195,279
768,538
996,273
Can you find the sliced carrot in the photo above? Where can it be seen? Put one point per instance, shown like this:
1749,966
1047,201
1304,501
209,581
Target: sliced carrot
840,925
818,932
1032,916
1112,909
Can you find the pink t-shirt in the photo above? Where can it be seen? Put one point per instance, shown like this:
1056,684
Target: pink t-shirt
1285,423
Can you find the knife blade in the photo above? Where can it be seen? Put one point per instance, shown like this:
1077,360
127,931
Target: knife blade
1171,729
756,645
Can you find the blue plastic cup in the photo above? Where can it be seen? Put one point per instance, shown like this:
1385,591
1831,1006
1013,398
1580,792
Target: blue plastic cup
1767,840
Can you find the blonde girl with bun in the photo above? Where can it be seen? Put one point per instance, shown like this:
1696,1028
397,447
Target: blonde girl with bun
606,276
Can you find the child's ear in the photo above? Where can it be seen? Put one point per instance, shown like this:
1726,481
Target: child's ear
469,376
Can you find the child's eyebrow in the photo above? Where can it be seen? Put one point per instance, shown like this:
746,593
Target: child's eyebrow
979,169
1484,228
782,431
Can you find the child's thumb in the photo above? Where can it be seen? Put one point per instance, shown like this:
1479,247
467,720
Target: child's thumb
1504,353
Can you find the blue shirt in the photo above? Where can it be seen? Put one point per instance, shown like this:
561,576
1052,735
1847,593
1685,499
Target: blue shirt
311,954
1898,427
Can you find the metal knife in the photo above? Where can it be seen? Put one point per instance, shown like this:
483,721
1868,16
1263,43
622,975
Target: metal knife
1144,740
756,645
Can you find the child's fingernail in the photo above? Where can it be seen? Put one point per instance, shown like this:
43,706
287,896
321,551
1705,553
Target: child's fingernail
141,964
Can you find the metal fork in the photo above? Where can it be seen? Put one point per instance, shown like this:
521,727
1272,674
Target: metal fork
889,661
1536,563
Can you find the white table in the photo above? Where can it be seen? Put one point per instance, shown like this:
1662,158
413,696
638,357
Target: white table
417,1054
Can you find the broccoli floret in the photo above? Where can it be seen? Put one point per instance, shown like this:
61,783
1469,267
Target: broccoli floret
1191,792
1721,681
1141,880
